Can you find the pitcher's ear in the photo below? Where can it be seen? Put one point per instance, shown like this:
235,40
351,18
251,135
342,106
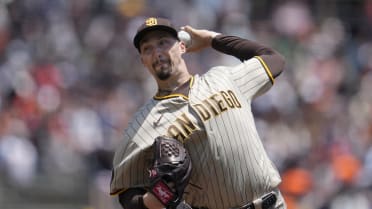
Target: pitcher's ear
141,60
183,47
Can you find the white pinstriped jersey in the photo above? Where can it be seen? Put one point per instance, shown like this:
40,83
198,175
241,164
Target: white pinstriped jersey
215,122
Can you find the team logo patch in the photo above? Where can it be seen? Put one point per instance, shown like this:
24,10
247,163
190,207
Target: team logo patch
162,192
151,21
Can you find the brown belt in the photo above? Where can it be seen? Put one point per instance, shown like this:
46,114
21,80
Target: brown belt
265,202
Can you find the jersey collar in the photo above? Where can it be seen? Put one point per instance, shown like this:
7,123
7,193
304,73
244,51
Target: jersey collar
176,94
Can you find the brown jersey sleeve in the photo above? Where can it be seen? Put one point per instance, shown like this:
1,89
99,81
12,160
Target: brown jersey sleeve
244,49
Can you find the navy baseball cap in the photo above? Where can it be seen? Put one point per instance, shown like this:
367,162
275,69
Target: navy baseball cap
153,23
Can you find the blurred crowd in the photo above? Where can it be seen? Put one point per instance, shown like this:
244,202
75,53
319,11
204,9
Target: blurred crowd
70,79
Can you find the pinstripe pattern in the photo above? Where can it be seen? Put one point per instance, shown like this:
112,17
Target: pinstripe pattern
216,124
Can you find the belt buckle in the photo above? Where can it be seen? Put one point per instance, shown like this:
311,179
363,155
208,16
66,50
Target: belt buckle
268,200
264,202
246,206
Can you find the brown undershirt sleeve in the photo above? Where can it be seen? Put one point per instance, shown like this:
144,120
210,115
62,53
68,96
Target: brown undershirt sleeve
245,49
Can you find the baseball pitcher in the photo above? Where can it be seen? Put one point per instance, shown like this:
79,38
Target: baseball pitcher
195,144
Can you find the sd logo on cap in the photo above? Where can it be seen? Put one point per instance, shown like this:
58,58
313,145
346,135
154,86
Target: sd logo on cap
151,24
151,21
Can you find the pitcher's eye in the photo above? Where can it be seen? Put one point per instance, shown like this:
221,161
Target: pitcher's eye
162,42
146,49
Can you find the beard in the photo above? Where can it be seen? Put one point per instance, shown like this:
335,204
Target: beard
165,69
164,74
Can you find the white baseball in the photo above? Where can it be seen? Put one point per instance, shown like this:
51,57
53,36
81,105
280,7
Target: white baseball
184,37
